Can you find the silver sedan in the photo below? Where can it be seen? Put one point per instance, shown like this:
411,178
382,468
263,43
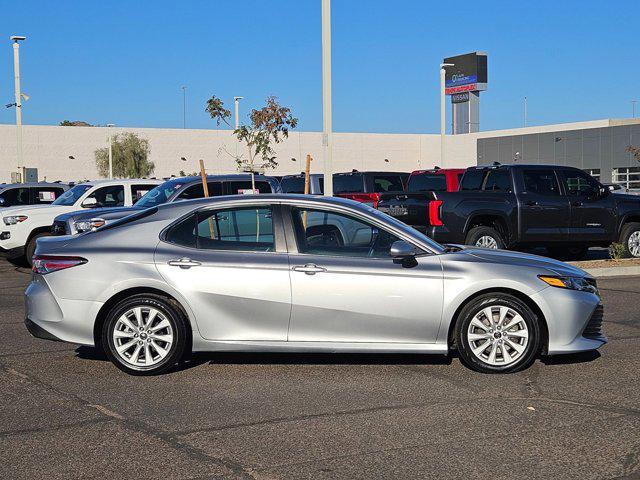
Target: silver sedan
295,273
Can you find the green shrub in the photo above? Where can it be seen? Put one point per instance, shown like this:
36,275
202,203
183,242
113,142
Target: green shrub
616,250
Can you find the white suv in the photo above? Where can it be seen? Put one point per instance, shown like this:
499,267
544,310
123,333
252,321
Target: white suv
22,226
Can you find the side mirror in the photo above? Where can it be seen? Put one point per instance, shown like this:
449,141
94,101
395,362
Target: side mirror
404,253
90,202
604,191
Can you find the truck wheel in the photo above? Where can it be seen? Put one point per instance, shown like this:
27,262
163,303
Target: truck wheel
31,247
630,238
573,252
485,237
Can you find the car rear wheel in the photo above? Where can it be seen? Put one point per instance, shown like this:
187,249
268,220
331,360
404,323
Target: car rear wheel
497,333
145,334
485,237
630,238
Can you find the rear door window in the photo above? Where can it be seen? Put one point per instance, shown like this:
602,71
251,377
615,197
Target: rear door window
139,191
15,196
540,182
292,185
238,187
472,179
498,181
111,196
45,195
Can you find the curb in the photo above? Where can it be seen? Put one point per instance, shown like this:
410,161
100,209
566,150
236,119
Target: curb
613,271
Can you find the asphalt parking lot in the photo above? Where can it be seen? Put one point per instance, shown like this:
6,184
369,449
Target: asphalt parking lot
66,412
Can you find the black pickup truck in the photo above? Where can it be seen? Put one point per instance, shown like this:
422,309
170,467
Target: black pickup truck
518,206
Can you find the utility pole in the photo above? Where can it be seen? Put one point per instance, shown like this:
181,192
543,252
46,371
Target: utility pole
18,94
327,135
443,109
110,125
633,108
525,112
184,106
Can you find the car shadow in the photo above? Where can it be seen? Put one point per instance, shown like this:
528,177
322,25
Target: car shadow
259,358
571,358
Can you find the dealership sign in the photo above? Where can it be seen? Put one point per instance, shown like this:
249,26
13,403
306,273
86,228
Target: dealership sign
466,73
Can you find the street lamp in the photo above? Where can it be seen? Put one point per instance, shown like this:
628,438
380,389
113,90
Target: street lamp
184,106
443,111
327,134
16,39
236,101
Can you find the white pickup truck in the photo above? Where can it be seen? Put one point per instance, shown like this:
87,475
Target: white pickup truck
22,226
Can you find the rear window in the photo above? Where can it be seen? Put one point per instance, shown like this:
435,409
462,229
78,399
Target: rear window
427,182
472,179
498,181
387,183
348,184
239,187
292,185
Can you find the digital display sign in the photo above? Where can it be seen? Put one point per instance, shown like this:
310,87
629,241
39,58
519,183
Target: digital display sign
467,74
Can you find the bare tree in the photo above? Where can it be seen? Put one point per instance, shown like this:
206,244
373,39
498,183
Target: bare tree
635,151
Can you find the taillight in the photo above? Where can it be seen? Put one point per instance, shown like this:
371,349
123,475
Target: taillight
434,213
370,199
51,263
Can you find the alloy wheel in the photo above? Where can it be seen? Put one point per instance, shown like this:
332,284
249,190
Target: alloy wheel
498,335
487,242
634,243
142,336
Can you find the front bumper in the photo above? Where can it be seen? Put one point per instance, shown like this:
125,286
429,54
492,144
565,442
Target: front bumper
574,320
51,316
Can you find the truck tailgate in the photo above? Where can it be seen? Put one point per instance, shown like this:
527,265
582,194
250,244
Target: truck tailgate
410,208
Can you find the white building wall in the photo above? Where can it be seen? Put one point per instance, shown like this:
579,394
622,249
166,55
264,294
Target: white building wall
48,149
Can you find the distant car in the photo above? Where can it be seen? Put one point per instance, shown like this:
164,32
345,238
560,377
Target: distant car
175,189
306,274
366,187
37,193
23,225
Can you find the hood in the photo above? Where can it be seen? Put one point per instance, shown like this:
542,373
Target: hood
105,213
508,257
31,210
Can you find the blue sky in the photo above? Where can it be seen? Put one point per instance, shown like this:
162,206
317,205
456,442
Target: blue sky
124,62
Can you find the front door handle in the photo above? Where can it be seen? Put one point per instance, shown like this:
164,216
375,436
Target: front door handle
577,204
309,269
184,262
531,203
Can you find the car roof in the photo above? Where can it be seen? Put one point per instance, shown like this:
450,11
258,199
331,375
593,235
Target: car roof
121,181
221,177
33,184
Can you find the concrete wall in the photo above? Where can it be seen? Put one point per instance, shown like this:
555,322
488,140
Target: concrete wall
48,148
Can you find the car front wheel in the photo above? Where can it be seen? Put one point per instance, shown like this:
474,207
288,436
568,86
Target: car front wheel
497,333
145,334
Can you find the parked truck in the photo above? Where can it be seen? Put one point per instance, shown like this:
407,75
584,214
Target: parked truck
518,206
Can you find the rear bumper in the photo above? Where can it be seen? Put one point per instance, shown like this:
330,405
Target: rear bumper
63,319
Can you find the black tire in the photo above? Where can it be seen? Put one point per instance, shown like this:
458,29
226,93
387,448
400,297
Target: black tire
30,248
514,304
568,252
169,310
476,233
628,230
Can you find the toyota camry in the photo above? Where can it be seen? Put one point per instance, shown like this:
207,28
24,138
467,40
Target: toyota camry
301,274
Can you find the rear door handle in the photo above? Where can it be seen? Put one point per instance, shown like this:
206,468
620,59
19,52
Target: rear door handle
309,269
577,204
184,262
531,203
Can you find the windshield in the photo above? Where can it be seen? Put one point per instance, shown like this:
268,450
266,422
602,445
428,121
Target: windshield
70,197
159,194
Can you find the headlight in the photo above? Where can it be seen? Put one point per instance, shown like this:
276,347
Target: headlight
87,225
584,284
13,219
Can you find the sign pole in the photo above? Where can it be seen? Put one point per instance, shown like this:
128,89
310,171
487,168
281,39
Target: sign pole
205,189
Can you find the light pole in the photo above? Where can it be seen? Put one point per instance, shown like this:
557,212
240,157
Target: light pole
327,135
633,108
184,106
525,112
110,125
443,110
16,70
236,101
